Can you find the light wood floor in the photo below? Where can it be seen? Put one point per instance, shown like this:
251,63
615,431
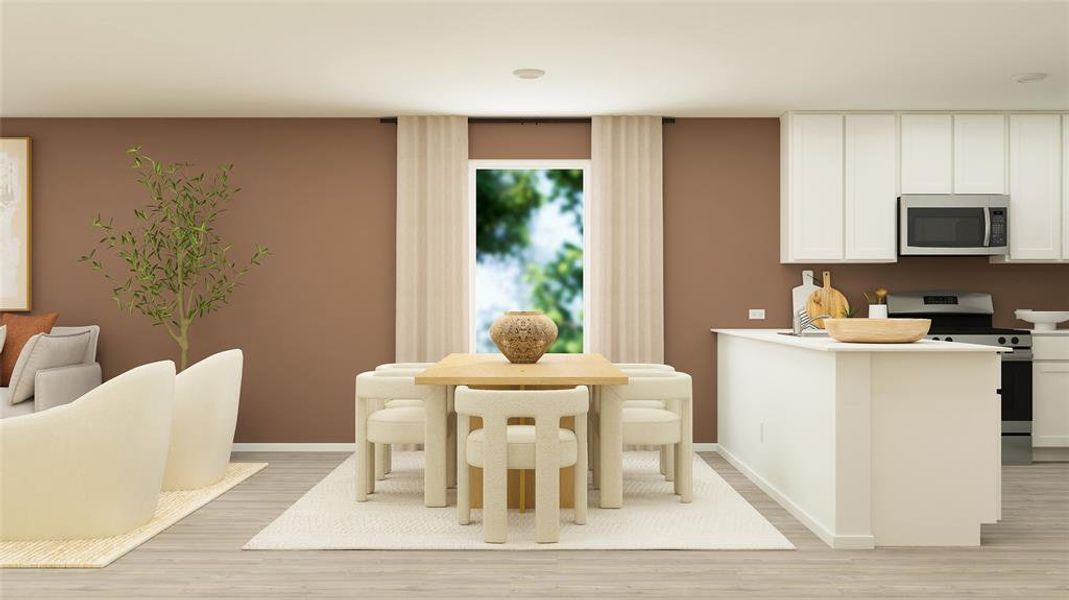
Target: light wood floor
1026,555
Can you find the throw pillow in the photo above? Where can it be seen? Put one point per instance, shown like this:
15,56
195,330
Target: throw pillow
20,328
45,351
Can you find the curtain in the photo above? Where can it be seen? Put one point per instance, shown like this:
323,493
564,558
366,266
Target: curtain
433,238
626,280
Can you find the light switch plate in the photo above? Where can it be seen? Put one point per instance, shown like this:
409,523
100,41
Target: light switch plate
757,314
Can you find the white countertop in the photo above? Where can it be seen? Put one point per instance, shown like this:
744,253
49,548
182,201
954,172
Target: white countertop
826,344
1056,332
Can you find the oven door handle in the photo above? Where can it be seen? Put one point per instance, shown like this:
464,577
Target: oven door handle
987,227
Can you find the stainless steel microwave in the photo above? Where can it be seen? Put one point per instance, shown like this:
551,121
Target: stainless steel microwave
953,224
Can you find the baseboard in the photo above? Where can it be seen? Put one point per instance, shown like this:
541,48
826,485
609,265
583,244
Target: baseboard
350,447
838,542
294,447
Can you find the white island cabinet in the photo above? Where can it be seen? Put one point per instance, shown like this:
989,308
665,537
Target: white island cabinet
866,444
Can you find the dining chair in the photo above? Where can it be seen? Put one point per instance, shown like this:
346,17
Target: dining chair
670,426
384,452
379,424
666,459
545,447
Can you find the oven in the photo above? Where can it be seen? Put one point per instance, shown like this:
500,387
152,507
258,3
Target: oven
953,224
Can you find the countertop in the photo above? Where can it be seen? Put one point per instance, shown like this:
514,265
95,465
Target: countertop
1055,333
823,344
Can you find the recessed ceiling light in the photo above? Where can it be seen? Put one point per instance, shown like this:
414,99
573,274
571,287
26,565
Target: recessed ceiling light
1029,77
529,73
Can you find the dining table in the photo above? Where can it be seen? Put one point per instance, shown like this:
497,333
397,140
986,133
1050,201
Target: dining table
556,370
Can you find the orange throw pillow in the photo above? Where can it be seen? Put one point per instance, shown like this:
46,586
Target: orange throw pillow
20,328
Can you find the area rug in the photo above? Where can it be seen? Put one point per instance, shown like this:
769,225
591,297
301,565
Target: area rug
100,552
394,518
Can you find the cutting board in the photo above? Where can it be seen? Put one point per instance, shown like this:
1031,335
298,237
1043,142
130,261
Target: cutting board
826,302
799,297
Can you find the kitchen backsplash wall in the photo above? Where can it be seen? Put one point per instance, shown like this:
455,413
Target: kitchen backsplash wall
320,193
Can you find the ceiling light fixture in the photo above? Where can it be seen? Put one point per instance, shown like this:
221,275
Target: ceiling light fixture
1029,77
529,73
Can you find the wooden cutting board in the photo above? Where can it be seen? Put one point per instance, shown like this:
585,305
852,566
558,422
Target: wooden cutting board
826,302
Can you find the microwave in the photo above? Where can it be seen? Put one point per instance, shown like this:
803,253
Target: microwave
953,224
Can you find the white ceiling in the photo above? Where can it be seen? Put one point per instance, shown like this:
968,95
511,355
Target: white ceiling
362,58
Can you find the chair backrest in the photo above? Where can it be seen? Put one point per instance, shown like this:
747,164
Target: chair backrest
407,366
644,367
392,385
90,350
537,404
653,385
205,415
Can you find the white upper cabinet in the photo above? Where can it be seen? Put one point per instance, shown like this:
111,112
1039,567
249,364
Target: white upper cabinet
1036,221
812,218
979,154
871,186
927,154
1065,187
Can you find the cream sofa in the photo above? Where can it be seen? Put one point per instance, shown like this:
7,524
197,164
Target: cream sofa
91,468
61,385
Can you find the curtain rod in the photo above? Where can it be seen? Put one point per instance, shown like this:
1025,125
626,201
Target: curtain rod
522,120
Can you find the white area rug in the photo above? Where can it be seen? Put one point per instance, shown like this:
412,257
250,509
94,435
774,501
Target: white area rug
394,518
100,552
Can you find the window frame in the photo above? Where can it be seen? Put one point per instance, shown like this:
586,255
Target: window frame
526,164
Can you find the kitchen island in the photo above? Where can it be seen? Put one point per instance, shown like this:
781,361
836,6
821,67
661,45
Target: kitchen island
866,444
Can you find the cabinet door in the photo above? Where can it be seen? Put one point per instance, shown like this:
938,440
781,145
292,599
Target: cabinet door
1065,187
926,154
815,187
871,192
1050,402
979,154
1035,187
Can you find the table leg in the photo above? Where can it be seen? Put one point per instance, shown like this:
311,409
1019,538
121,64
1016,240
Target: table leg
611,450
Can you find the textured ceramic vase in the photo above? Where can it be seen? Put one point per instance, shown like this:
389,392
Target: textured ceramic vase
523,336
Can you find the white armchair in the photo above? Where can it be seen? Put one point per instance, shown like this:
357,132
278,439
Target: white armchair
92,468
205,414
60,385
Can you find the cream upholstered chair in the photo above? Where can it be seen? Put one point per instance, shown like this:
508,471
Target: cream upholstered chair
384,452
377,424
545,447
205,414
91,468
671,426
639,369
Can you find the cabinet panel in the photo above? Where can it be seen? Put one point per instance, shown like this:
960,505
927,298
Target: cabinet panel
1065,187
1036,221
1050,414
979,154
815,187
871,172
927,154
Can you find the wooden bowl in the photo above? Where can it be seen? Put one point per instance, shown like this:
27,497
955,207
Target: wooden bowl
877,331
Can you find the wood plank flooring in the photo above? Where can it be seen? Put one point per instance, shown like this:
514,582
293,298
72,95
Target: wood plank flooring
1026,555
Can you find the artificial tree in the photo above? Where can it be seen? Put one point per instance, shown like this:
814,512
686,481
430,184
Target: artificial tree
178,268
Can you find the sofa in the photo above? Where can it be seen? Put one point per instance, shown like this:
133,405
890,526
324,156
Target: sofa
60,385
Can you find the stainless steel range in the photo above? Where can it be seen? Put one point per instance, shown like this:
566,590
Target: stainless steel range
966,317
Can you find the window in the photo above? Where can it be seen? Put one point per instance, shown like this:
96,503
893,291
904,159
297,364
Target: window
529,250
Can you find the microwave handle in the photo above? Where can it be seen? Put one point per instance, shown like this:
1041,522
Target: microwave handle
987,226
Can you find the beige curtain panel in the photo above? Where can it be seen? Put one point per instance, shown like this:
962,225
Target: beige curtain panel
433,237
626,280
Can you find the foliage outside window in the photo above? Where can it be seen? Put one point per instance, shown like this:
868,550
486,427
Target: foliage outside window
529,250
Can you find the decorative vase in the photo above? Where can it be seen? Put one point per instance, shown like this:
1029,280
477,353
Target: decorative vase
523,336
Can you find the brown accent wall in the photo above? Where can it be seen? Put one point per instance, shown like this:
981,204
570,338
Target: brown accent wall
320,193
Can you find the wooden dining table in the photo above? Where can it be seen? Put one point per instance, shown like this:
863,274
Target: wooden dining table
551,371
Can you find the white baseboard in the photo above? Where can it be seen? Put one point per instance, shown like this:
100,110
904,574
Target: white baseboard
294,447
839,542
350,447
